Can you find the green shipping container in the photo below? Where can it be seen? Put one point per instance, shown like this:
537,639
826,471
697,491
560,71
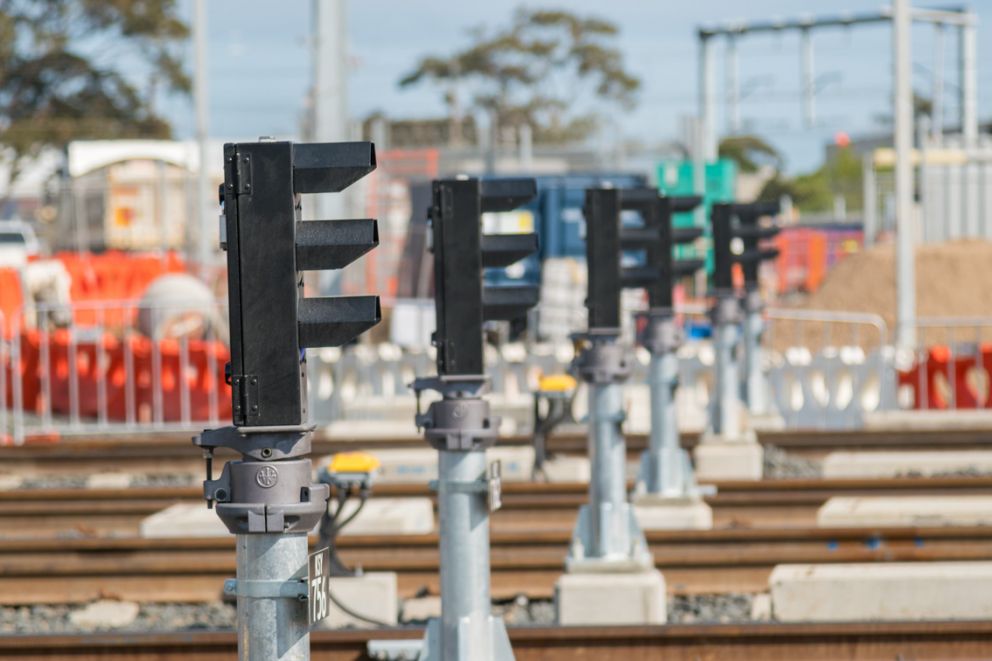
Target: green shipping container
676,178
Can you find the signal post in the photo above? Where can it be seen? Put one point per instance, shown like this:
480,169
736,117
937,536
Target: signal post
459,425
609,571
268,498
666,495
729,448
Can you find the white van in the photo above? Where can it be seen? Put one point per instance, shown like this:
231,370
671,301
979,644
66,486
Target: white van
18,242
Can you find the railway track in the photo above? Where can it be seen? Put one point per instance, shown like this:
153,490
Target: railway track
172,452
769,642
526,506
694,562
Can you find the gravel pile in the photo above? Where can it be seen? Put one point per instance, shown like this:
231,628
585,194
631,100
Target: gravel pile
682,609
700,608
191,617
961,472
525,612
779,464
151,617
54,482
165,480
952,280
137,481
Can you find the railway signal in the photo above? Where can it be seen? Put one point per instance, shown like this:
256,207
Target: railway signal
737,237
607,537
459,425
268,498
665,470
608,541
755,387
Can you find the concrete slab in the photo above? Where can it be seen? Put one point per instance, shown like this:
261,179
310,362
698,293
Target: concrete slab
419,465
841,464
717,459
10,482
767,422
761,607
611,598
372,596
909,511
978,419
183,520
391,516
374,430
567,468
882,591
654,513
105,614
380,516
421,609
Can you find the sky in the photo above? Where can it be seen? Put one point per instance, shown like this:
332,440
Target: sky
259,68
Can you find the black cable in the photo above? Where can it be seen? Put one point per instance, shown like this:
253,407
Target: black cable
334,529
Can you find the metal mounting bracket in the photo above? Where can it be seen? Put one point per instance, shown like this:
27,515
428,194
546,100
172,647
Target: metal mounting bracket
257,589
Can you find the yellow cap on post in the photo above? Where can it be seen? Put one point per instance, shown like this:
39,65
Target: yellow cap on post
556,383
352,462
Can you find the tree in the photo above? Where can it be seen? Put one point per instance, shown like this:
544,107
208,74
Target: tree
536,71
750,152
815,191
69,69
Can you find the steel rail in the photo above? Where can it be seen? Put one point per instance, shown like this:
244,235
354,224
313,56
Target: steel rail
767,641
525,562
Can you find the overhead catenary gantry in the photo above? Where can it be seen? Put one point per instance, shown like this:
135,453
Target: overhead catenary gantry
963,20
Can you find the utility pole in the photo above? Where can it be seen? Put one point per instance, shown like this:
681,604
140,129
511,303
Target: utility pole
268,498
707,96
330,103
807,78
937,91
733,87
204,219
905,227
968,63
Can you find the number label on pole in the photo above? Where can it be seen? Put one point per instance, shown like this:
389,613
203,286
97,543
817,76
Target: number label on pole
320,596
495,483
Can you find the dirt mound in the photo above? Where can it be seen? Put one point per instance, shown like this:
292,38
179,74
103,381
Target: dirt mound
952,280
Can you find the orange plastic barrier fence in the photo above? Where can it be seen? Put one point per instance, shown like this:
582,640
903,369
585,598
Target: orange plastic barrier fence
119,378
113,276
11,301
26,371
945,381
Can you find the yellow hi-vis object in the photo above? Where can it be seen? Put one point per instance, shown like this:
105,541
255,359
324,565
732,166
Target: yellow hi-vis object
556,383
352,462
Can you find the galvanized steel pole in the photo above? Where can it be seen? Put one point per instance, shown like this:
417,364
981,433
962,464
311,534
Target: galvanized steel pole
466,608
905,226
606,533
726,402
272,628
755,387
610,535
664,466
